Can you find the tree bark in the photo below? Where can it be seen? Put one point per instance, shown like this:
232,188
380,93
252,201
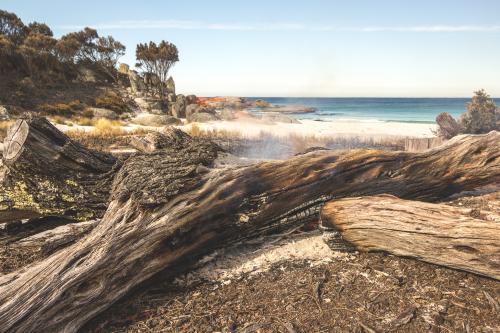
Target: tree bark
49,240
164,213
436,233
46,173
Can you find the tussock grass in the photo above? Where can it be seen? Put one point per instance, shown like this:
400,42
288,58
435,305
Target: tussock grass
4,126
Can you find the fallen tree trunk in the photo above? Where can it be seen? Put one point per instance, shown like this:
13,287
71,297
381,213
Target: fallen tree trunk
46,173
49,240
164,213
436,233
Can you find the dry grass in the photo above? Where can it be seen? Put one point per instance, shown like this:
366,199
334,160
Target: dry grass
4,126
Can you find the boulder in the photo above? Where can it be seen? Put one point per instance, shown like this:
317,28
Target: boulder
123,68
227,114
280,118
4,114
179,108
202,117
195,108
86,74
260,103
191,99
171,98
103,113
170,86
147,119
136,82
151,105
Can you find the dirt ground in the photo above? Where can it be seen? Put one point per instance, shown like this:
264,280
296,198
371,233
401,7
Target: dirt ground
367,293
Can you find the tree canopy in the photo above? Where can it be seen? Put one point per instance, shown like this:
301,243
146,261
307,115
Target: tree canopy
157,60
31,50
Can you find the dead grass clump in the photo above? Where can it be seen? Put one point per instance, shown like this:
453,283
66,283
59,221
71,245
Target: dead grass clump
113,101
4,126
105,127
61,109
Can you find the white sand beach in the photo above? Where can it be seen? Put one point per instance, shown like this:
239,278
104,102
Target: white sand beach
253,128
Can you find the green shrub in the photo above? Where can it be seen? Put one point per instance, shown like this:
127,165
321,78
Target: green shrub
482,114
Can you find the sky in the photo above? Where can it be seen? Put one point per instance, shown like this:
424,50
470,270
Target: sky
314,48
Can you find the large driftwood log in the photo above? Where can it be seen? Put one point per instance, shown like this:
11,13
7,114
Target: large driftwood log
165,213
46,173
435,233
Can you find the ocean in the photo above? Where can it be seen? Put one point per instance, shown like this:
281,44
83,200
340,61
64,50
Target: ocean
412,110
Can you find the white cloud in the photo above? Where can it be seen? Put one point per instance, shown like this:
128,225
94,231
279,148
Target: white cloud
196,25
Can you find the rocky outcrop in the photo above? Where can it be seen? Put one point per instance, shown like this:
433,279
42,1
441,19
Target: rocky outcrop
146,119
260,103
103,113
280,118
197,113
171,98
170,86
191,99
136,82
123,68
227,114
151,105
202,117
178,109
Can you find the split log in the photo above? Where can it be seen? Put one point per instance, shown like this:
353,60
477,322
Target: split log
49,240
436,233
46,173
164,214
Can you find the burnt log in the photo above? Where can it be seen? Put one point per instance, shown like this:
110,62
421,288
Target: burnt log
436,233
164,214
46,173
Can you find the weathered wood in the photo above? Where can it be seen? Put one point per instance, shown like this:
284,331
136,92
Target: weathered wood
49,240
46,173
169,138
448,127
164,213
417,145
436,233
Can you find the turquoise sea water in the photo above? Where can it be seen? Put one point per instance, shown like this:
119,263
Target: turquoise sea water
415,110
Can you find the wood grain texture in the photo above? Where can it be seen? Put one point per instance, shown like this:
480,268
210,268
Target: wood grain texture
436,233
164,215
46,173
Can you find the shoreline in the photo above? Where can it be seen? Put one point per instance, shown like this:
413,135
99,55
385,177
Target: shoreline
255,128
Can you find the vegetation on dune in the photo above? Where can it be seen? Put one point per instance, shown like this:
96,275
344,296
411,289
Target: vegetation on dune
32,51
156,61
482,116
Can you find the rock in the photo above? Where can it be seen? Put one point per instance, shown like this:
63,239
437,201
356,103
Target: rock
227,114
86,75
171,98
4,114
280,118
289,109
202,117
170,86
260,103
103,113
191,99
192,109
151,105
136,82
195,108
123,68
151,80
147,119
178,109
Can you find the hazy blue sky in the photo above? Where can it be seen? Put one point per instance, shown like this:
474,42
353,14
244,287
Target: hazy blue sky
302,48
